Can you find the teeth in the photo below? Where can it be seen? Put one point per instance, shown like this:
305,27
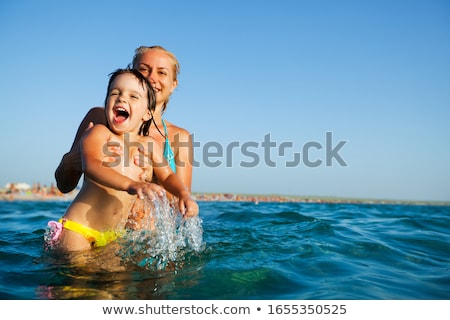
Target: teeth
121,111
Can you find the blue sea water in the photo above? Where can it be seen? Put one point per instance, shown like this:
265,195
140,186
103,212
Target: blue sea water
251,251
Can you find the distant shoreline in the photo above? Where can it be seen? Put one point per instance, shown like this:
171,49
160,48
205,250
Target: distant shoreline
233,197
306,199
28,196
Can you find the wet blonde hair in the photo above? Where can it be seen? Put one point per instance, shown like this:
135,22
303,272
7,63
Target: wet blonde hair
142,49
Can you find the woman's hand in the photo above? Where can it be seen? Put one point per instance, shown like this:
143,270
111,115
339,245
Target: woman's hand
142,161
112,154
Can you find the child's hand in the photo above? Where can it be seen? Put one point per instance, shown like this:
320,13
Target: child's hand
188,207
144,189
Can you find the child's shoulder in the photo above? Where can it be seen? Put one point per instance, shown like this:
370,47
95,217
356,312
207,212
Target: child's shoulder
100,127
98,130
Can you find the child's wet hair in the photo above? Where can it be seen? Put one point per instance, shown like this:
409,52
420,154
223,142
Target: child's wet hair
151,97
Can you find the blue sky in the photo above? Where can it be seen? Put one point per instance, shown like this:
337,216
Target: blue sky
376,74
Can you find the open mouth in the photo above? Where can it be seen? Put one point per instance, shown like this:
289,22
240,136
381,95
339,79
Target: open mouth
120,114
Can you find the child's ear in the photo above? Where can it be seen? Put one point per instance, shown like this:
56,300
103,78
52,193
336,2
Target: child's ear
147,116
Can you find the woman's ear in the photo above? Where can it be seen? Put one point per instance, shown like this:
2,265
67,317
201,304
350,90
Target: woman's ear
174,85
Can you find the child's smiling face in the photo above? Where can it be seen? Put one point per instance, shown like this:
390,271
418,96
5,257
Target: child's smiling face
127,104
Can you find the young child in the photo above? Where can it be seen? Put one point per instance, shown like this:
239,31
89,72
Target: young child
99,212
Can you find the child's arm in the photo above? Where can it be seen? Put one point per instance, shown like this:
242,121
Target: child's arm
92,149
188,206
172,183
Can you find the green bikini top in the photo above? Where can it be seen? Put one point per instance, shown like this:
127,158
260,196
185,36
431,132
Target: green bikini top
168,153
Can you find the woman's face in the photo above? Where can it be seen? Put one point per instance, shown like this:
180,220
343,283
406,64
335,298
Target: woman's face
158,68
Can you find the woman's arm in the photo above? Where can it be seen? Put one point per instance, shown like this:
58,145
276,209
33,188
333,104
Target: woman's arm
69,170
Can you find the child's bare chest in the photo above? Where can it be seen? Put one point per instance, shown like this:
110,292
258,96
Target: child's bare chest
126,165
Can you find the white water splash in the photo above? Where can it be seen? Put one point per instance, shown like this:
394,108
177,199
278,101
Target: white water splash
162,237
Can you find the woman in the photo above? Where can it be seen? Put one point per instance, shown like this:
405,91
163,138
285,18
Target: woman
161,68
